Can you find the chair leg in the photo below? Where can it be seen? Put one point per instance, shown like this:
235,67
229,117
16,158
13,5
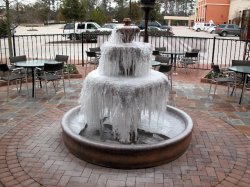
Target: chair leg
16,85
55,85
186,68
63,85
69,77
68,74
215,88
210,88
228,87
245,83
26,80
46,86
20,87
8,88
171,81
235,89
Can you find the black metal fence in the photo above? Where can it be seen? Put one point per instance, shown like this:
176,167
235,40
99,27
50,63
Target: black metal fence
215,50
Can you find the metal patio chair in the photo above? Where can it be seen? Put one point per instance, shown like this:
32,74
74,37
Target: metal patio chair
53,73
189,59
222,77
64,58
165,67
11,75
93,58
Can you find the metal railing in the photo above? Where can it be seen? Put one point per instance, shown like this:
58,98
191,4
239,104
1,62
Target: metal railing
215,50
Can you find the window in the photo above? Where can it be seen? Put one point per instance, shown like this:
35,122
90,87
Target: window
69,26
81,26
230,26
236,27
222,26
91,26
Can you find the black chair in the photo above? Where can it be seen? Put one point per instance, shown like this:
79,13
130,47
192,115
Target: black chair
190,58
195,50
155,53
161,49
165,67
222,77
95,49
93,58
15,59
9,75
53,73
64,58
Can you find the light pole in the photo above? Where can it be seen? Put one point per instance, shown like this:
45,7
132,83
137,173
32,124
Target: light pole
205,13
129,9
146,6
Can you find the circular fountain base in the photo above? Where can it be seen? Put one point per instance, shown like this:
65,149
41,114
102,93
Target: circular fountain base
127,156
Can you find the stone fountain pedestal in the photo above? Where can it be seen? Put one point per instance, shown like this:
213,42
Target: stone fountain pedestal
127,156
123,121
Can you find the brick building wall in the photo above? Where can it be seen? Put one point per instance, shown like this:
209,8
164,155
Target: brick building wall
236,9
215,10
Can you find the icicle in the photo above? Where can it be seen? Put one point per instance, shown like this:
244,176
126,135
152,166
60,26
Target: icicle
124,89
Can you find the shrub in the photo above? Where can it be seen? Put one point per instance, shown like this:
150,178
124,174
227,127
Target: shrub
3,28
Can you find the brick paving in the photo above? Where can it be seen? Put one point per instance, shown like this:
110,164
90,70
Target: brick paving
32,152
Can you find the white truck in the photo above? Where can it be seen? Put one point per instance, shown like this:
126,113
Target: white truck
78,29
200,26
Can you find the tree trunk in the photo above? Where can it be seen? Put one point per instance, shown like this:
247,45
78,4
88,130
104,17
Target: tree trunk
8,27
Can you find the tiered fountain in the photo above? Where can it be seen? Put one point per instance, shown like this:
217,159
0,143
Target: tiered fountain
123,121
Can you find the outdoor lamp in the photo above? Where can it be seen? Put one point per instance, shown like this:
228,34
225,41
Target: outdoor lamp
146,6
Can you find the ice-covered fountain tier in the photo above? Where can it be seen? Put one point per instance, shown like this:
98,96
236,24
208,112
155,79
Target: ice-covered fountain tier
123,121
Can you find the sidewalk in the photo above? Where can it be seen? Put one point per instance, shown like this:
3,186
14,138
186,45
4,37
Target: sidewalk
32,152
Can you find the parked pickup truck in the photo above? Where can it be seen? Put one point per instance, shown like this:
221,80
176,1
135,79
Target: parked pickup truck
76,30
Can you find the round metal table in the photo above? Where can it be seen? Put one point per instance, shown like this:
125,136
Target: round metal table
32,64
244,70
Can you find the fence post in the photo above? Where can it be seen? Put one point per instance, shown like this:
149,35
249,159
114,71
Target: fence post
82,50
14,45
213,50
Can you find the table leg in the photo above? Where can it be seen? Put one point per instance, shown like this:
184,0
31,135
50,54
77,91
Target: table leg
33,82
174,59
243,87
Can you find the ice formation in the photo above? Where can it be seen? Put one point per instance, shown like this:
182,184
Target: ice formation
124,88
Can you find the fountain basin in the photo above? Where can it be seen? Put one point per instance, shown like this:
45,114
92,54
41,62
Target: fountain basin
127,156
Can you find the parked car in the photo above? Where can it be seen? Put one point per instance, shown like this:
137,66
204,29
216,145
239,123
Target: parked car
141,25
166,28
156,31
211,29
74,30
153,28
228,29
109,26
200,26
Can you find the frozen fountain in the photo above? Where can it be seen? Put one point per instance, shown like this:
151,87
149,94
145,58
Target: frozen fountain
123,120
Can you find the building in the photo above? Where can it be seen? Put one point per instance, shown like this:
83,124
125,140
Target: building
215,10
236,10
220,11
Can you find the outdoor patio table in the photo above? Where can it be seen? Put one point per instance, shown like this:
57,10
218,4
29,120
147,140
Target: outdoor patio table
244,70
173,56
32,64
155,63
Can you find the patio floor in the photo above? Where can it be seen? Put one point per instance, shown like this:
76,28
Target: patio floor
32,152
